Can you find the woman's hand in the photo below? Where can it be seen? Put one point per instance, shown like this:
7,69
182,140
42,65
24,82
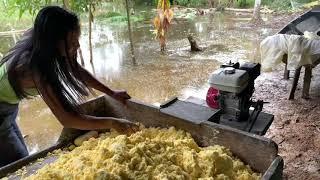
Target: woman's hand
120,95
124,126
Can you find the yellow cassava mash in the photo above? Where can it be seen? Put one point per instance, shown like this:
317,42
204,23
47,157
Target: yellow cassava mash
151,153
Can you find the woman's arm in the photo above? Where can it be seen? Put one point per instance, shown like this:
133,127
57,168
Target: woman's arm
84,122
96,84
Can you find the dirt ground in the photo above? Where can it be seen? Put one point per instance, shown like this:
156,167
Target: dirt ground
296,127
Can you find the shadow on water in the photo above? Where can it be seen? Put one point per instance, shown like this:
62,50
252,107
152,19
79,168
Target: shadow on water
157,76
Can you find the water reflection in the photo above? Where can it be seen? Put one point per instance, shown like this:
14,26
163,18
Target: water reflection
157,77
107,56
199,27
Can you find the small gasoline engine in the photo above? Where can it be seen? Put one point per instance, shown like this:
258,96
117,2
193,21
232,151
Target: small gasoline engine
231,89
229,101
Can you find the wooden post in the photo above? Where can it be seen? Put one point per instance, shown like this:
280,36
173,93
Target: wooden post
306,81
130,34
90,31
256,12
286,72
295,82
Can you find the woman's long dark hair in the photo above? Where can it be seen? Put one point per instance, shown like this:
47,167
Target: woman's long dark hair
51,26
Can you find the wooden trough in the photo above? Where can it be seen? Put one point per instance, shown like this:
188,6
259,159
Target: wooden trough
257,151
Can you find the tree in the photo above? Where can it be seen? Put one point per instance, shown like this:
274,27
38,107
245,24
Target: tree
130,33
66,4
211,3
256,12
88,6
90,32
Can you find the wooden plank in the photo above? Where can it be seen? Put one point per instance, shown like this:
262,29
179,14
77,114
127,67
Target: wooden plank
11,169
274,172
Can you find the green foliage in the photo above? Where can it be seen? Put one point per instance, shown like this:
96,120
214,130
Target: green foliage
114,18
303,1
83,5
10,20
33,6
183,2
188,3
284,5
279,5
244,3
146,2
111,14
115,14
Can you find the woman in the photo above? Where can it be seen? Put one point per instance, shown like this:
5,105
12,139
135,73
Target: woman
45,62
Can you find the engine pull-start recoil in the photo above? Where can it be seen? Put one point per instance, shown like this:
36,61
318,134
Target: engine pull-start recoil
213,98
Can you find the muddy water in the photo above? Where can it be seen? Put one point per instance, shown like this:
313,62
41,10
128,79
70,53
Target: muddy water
157,76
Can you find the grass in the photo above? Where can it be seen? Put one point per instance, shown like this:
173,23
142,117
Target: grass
192,3
120,18
312,4
244,3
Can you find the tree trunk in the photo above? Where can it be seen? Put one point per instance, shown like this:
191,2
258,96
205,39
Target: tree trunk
130,33
81,57
90,31
66,4
256,12
211,3
193,44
